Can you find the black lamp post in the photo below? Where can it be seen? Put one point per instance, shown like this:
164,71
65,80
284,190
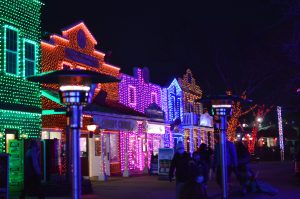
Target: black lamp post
222,108
75,89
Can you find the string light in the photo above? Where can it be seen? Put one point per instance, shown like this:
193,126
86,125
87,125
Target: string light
135,92
281,144
20,96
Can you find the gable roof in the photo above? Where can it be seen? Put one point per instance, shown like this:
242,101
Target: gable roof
176,83
81,24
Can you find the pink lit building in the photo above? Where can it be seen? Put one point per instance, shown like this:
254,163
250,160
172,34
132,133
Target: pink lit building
137,92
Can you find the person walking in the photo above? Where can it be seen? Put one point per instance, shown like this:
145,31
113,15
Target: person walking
232,161
32,172
194,188
205,157
244,172
180,163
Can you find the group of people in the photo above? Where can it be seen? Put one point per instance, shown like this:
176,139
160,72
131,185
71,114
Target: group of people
192,171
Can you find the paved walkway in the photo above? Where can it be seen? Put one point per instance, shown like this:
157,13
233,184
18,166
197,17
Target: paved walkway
279,175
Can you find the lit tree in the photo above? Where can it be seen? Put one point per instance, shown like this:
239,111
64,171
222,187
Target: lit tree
259,116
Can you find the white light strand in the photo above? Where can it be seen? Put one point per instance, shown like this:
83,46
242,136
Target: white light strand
281,145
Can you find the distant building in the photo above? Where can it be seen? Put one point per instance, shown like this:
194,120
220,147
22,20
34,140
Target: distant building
183,111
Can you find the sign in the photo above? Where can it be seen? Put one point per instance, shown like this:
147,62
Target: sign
116,124
165,156
155,129
81,58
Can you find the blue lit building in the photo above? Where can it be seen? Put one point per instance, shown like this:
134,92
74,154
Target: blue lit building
185,115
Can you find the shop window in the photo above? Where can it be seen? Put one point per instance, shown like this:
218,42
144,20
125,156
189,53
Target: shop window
83,147
29,58
114,148
132,95
97,146
11,51
48,134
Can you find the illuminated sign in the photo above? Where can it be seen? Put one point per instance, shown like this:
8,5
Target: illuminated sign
206,120
155,129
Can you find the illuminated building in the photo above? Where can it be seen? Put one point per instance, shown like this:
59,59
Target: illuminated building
138,93
74,49
185,114
20,106
124,128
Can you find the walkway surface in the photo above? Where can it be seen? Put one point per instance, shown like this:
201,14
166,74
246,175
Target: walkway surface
279,175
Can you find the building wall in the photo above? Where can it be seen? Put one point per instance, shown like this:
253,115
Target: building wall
143,90
174,100
20,105
191,92
65,50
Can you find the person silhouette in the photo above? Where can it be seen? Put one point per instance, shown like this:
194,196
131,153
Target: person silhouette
32,172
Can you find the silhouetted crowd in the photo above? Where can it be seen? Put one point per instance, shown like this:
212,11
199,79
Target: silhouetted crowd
193,171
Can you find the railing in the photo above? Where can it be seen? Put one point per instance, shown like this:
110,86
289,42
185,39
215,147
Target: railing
190,119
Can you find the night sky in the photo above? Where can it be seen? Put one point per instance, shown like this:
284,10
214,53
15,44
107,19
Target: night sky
232,44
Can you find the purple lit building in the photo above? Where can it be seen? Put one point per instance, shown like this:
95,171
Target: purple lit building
137,92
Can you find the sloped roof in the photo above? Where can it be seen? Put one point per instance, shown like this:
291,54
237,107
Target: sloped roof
84,28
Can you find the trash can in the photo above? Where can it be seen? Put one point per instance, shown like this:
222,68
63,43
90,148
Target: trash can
4,175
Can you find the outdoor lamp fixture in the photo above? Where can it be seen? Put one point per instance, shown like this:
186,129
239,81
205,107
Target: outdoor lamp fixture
76,88
91,128
222,108
259,119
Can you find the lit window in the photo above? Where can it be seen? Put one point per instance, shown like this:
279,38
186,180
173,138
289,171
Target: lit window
11,51
30,59
132,95
154,98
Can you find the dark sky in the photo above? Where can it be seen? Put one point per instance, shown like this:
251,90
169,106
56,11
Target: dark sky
232,36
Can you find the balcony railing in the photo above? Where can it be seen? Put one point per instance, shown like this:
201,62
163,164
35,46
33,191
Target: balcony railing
190,119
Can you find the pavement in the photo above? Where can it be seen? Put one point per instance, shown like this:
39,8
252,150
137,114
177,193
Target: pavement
279,175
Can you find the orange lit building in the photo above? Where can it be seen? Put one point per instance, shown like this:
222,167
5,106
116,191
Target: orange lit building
74,49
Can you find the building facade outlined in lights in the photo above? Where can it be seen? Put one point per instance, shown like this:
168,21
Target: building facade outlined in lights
20,100
185,114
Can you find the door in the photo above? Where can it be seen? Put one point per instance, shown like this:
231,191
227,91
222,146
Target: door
111,152
84,154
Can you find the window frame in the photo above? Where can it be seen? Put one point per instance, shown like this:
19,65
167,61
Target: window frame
16,52
129,96
154,94
24,56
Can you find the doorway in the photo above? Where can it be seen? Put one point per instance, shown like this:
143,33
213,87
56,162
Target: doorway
84,154
10,134
111,151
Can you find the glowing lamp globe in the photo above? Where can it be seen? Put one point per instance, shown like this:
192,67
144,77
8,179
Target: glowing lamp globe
91,127
259,119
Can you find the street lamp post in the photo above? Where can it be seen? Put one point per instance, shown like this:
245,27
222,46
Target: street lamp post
222,108
75,89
